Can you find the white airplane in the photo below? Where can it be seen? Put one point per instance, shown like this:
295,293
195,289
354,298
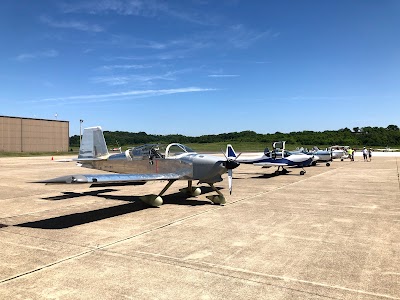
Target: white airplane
271,159
321,155
146,163
339,152
387,149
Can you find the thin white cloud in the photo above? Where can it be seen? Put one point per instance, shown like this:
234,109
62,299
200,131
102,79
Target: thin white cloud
125,67
315,98
120,95
143,8
112,80
133,7
241,37
121,80
127,41
36,55
140,79
72,24
223,75
171,55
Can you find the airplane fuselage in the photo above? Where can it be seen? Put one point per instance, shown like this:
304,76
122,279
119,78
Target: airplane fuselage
205,168
292,160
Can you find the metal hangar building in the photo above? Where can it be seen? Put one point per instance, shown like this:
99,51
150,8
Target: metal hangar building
33,135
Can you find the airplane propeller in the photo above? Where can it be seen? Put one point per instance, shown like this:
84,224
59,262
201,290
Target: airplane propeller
230,164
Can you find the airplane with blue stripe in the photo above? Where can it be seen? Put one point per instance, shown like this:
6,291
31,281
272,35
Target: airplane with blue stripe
275,158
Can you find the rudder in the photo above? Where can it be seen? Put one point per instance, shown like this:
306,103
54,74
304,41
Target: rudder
230,153
93,144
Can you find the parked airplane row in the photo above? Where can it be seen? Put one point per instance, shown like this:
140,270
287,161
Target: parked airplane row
146,163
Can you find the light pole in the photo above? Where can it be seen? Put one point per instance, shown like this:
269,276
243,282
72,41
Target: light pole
80,131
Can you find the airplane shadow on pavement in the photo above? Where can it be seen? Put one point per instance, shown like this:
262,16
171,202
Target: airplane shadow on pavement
134,204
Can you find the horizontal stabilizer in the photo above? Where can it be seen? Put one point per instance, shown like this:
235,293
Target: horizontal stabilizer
88,159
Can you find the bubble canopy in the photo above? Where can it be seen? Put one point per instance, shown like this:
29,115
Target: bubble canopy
176,149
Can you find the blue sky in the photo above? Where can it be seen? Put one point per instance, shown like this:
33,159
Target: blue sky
202,67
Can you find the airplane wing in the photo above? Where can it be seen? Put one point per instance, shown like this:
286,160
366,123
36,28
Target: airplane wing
270,164
113,178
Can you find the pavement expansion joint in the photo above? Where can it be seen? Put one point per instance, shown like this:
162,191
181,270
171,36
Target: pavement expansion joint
283,282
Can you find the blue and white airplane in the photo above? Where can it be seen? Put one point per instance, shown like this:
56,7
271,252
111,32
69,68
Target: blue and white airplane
271,159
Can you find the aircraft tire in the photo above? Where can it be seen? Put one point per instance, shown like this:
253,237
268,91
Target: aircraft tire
302,172
152,200
196,192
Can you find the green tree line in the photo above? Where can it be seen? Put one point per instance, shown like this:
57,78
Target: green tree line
357,137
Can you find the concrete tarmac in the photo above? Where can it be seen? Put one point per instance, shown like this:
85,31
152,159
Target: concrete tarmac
333,233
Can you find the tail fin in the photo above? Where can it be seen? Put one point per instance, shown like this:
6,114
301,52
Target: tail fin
93,144
230,153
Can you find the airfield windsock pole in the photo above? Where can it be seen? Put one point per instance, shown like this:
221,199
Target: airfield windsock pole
80,132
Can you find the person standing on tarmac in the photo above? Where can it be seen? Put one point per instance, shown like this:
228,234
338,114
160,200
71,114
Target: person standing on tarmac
350,153
365,154
370,153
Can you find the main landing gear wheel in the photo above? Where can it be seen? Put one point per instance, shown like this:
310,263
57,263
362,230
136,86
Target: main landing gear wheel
314,163
152,200
192,192
156,200
328,164
302,172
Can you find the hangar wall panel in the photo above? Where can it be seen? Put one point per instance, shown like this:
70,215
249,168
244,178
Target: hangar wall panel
33,135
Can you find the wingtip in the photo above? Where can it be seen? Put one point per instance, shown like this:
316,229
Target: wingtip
65,179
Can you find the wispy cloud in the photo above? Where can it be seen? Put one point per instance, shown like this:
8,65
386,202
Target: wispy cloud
143,8
121,7
161,56
36,55
315,98
129,95
241,37
128,41
223,75
138,78
72,24
236,36
125,67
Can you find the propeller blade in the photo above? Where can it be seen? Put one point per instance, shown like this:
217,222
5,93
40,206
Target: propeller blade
224,154
230,181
